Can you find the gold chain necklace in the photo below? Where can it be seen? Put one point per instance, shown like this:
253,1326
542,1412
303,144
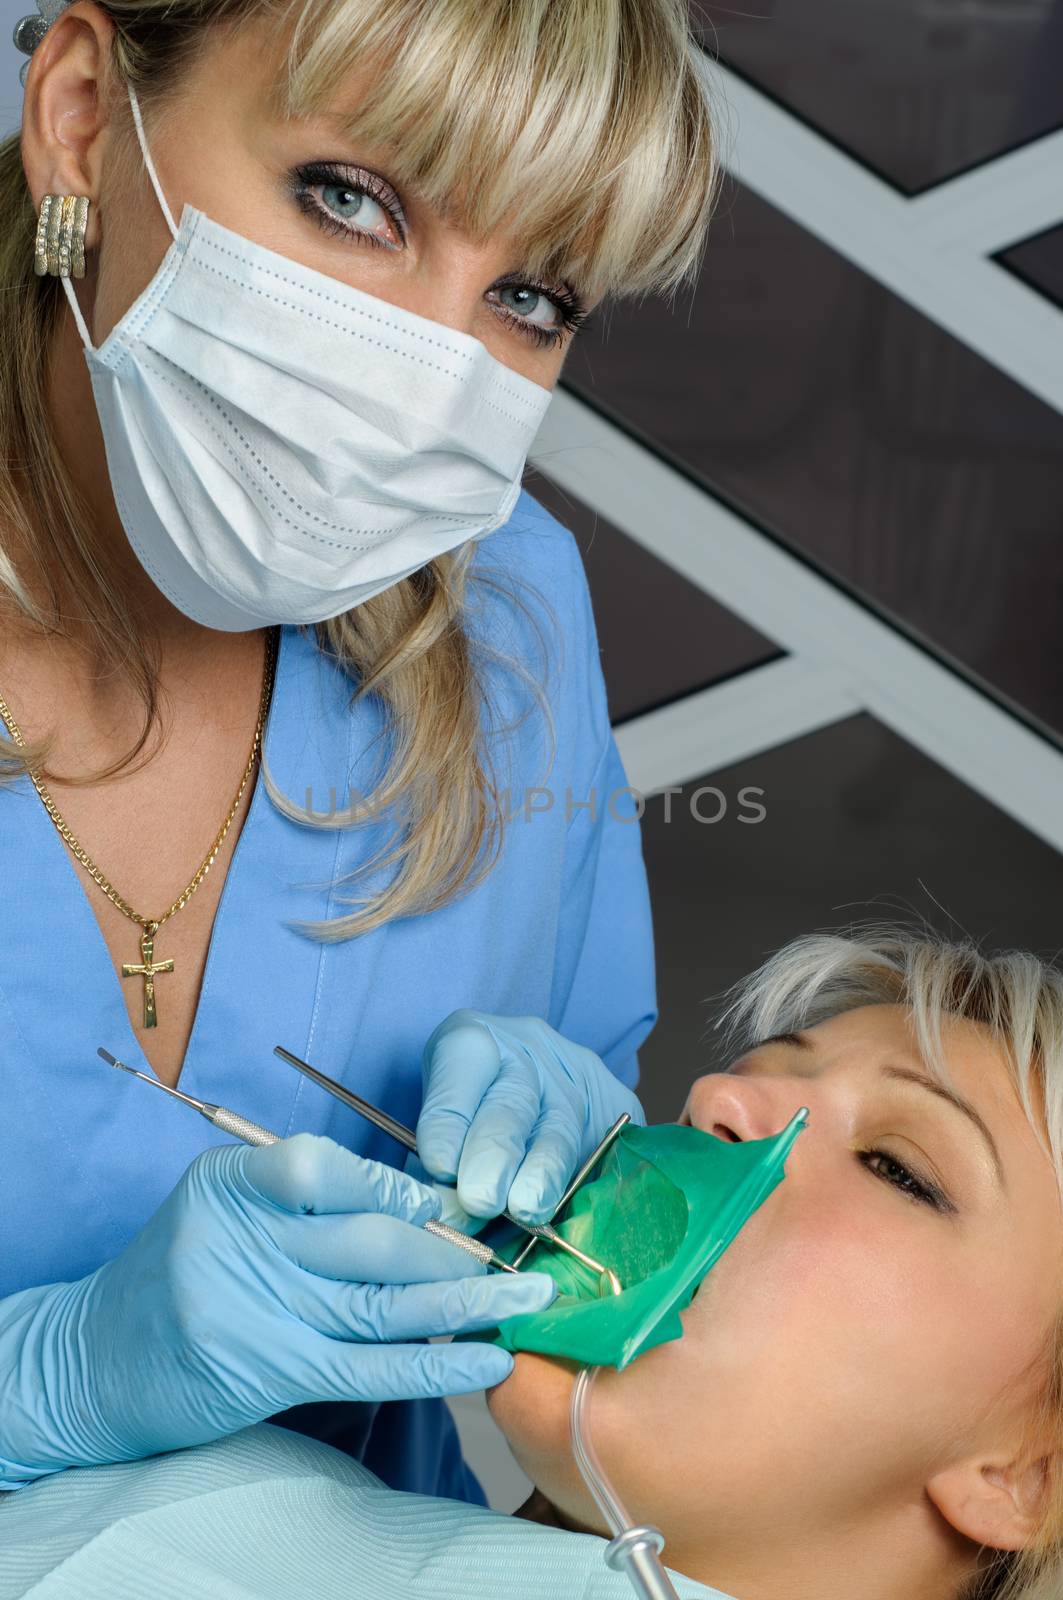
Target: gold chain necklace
147,967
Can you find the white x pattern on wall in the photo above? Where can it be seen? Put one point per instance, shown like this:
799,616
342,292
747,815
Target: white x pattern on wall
933,250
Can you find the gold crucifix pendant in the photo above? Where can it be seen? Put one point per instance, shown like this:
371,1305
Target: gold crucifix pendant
147,968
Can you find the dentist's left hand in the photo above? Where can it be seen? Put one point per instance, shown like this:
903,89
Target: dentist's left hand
511,1108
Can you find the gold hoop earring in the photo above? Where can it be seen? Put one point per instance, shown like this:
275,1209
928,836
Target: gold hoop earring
59,249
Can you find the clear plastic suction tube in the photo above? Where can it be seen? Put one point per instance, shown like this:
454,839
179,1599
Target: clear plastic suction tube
634,1550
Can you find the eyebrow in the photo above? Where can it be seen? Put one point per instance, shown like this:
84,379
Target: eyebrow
908,1075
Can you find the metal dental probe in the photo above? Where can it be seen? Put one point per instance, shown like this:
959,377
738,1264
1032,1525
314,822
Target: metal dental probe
228,1121
253,1133
581,1177
406,1136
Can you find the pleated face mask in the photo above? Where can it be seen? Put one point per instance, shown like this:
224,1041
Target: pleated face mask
282,446
665,1204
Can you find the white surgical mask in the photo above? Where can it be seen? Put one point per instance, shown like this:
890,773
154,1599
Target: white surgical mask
282,446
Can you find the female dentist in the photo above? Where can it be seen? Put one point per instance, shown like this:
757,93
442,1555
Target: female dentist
332,255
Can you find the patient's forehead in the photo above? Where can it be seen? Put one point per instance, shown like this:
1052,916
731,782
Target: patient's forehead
873,1041
870,1034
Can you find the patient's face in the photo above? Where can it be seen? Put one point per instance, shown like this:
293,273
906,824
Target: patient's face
855,1337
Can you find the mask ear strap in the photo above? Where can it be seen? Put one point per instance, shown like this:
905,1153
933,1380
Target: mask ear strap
86,337
148,162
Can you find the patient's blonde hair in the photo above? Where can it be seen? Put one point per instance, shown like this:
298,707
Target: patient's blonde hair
1019,998
585,120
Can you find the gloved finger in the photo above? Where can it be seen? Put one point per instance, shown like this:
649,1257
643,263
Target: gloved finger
451,1212
310,1173
461,1060
370,1249
497,1140
406,1371
378,1314
540,1181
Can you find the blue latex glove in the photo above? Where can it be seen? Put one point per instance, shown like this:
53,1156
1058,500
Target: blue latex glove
510,1110
267,1277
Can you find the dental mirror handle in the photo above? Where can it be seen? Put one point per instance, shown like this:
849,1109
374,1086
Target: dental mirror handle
221,1116
230,1121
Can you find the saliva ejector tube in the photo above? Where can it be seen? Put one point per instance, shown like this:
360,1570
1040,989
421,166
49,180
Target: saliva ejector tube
635,1548
722,1184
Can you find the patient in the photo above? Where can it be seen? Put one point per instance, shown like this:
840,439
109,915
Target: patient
868,1396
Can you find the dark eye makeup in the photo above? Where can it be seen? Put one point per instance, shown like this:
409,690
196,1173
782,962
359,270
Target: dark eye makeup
921,1190
314,175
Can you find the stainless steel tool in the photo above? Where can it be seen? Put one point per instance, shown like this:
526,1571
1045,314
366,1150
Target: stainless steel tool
405,1136
253,1133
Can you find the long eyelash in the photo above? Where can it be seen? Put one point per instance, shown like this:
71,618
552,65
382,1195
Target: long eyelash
313,173
573,316
918,1190
309,176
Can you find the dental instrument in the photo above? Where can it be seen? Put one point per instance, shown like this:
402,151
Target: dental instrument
539,1232
608,1282
661,1207
221,1116
578,1181
253,1133
365,1108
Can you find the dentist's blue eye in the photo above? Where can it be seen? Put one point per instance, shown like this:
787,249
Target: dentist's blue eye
360,204
901,1177
527,301
356,202
530,298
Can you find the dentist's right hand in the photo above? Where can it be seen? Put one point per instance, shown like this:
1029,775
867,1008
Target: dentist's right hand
269,1276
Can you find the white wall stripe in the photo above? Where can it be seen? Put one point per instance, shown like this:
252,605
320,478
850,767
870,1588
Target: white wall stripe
716,549
888,236
996,205
712,729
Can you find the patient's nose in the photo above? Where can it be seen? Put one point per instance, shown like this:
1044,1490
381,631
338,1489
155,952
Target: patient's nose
740,1108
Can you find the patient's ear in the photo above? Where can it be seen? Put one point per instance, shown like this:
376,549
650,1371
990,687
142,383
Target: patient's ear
997,1503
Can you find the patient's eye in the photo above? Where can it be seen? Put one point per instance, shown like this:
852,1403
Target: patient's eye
894,1172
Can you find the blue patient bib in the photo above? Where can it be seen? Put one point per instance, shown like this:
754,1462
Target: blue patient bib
266,1515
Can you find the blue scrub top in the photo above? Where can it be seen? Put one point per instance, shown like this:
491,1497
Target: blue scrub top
559,928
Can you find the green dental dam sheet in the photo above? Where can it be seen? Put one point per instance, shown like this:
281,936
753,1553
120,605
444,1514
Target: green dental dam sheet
664,1205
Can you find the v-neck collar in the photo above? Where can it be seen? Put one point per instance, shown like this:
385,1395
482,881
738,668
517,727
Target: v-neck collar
261,978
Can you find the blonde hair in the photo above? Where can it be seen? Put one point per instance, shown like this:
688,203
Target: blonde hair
589,123
1018,998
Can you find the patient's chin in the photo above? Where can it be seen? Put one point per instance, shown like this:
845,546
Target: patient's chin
532,1408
